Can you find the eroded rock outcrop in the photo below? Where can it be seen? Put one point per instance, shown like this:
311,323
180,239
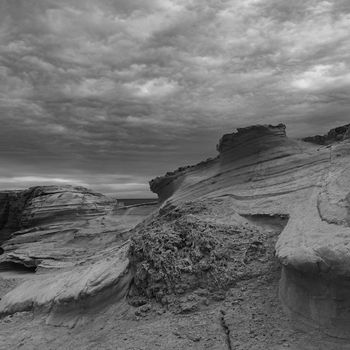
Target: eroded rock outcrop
219,224
68,292
334,135
42,223
12,204
201,244
48,204
265,173
166,185
253,138
76,241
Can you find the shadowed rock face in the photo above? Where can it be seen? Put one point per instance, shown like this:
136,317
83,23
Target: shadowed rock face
253,138
10,209
334,135
264,172
37,205
77,242
38,222
164,186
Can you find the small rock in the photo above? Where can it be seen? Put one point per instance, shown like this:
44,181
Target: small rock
188,307
160,311
145,308
138,301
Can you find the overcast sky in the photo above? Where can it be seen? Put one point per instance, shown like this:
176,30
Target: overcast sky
110,93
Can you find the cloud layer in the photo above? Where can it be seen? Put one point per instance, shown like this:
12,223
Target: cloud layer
111,93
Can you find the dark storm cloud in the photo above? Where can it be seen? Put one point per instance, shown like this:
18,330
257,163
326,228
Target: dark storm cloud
111,93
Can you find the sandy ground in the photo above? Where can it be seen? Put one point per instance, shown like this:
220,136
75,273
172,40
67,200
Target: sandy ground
247,316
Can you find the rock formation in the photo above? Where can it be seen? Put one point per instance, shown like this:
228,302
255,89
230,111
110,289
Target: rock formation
201,244
334,135
221,222
41,221
74,239
265,173
12,204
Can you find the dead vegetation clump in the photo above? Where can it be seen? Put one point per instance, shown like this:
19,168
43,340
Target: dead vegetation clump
181,250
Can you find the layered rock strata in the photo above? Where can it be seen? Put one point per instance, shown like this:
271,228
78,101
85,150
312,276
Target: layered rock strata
42,223
334,135
79,245
75,240
264,172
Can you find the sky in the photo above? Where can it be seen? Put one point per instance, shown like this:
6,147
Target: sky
108,94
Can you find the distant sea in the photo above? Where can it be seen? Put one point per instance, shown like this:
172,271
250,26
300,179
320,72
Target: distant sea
134,201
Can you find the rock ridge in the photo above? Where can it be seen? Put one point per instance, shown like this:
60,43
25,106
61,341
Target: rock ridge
246,143
334,135
248,134
37,222
26,208
266,173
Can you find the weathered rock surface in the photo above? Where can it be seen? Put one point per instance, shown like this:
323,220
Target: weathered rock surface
108,278
41,204
44,224
201,244
11,206
77,242
217,228
334,135
165,186
264,172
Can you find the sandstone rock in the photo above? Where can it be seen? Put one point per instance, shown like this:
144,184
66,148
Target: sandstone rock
347,134
249,135
165,186
48,204
261,183
264,172
87,285
77,242
43,223
334,135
